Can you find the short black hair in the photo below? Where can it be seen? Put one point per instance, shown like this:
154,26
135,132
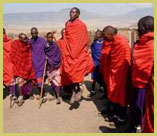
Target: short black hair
48,34
34,28
4,32
110,29
146,24
98,30
77,9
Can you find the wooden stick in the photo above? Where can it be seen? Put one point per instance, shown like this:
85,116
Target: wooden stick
42,86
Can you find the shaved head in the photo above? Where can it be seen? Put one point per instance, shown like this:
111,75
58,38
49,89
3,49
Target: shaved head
34,33
34,29
74,13
145,25
109,32
23,38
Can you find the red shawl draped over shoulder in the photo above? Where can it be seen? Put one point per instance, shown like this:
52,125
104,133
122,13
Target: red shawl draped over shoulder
77,60
143,77
114,65
22,60
7,63
143,57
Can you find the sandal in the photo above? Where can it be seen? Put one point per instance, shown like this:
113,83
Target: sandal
14,98
58,101
73,98
44,100
20,102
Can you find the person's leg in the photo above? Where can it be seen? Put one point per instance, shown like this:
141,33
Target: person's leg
57,91
73,94
137,109
109,109
93,92
38,88
120,113
104,88
67,89
76,93
43,97
12,90
21,83
79,92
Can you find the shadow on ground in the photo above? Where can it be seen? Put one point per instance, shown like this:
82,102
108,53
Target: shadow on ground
100,105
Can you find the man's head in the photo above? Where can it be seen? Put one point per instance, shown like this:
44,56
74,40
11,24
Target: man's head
98,34
109,32
23,38
34,32
49,37
145,25
4,32
74,13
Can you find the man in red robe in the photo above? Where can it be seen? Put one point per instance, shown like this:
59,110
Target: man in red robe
142,76
7,63
64,80
114,65
77,62
22,66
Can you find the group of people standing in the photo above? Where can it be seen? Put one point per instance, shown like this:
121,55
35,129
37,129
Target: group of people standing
126,78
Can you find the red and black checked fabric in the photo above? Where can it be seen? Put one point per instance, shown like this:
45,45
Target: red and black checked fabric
22,60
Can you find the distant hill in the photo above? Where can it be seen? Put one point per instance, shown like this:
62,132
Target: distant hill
56,20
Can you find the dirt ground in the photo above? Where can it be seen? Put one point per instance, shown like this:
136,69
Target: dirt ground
51,118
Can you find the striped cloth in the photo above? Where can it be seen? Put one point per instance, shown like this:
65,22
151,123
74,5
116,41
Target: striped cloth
22,60
77,60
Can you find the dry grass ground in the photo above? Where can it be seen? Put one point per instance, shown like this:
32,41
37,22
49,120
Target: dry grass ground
52,118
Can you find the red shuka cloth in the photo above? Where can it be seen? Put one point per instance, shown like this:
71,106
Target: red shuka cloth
64,79
143,57
149,106
114,65
143,75
7,63
77,61
22,60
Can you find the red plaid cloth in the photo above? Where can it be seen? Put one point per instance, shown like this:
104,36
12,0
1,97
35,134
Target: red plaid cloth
22,60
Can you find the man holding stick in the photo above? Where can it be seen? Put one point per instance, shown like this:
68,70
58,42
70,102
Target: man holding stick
53,56
38,45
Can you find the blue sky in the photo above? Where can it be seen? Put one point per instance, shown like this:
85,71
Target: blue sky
112,8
